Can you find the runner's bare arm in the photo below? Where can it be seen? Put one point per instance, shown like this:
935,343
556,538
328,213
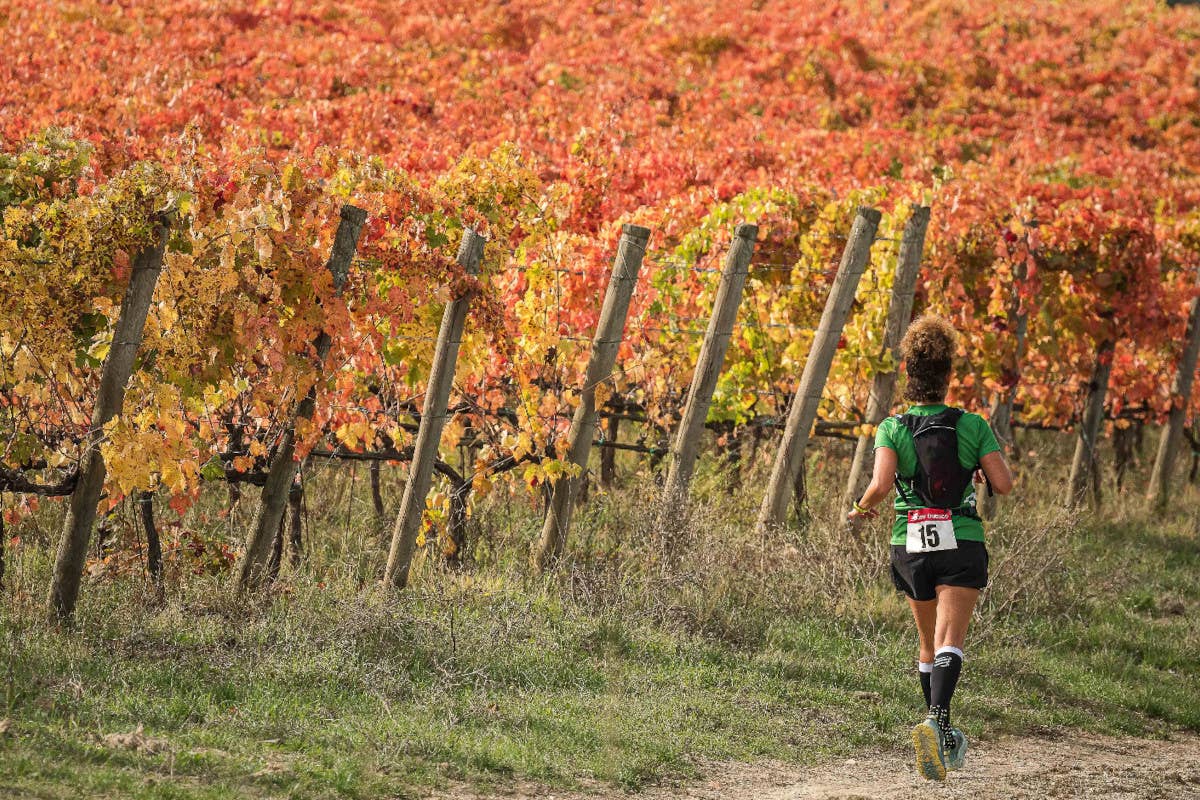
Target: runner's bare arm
881,479
998,473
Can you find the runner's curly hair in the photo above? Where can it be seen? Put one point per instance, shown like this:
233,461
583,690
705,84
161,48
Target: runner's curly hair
928,353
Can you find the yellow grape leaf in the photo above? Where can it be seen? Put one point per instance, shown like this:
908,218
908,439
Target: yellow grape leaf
347,435
532,475
454,431
523,446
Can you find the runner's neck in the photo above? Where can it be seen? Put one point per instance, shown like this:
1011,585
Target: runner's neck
930,407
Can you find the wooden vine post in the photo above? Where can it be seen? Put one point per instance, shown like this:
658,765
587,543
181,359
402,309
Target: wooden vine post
686,446
1000,416
3,540
377,495
608,455
252,567
883,385
1181,395
433,419
789,459
296,514
1084,465
291,529
154,563
609,330
114,377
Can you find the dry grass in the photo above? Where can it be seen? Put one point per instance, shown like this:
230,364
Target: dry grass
661,640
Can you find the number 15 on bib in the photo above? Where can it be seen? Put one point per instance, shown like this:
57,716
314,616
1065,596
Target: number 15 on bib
930,529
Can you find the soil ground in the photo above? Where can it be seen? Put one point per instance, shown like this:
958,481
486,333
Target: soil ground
1010,768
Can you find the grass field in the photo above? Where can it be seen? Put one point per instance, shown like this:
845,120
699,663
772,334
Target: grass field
622,668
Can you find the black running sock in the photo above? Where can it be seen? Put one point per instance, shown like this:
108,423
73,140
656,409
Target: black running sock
925,669
947,664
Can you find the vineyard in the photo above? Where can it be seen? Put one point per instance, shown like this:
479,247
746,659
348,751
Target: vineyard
208,197
485,248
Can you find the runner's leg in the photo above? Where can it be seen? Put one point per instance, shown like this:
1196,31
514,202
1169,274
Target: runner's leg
954,607
925,614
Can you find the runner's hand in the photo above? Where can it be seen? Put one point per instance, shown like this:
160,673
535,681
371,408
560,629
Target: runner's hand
855,515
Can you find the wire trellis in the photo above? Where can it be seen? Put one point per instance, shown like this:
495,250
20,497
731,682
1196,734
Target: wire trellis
772,278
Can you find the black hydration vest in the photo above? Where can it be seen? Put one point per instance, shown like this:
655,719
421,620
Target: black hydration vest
940,481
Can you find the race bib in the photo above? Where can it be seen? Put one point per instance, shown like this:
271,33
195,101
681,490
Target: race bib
930,529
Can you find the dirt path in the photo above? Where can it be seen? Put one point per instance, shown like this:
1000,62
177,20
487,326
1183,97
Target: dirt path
1079,766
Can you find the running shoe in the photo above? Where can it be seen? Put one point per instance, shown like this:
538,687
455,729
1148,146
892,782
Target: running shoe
931,758
956,755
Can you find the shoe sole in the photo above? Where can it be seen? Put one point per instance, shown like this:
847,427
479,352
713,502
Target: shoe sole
929,763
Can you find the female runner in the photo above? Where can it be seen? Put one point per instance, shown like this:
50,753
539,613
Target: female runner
932,453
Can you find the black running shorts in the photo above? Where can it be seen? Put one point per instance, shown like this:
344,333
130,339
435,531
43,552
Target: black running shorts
916,574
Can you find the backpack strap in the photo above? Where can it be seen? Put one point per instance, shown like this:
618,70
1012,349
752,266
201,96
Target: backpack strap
957,416
909,422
